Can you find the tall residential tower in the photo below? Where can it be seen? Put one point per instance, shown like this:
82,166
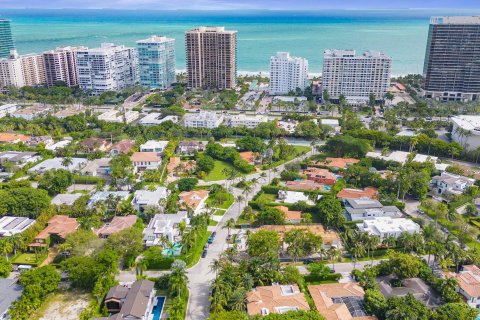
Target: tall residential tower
211,58
6,39
356,77
156,62
287,73
452,59
61,65
108,68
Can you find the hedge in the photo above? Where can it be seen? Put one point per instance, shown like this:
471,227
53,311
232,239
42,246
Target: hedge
88,179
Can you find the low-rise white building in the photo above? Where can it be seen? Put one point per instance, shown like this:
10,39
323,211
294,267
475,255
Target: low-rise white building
164,225
105,195
466,131
204,119
155,118
154,146
118,116
333,123
8,109
450,183
387,227
58,163
10,226
146,198
292,196
242,120
31,113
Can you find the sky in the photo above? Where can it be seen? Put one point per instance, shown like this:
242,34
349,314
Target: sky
240,4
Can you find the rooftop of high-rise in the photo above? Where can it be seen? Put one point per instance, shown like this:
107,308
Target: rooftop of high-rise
455,20
212,30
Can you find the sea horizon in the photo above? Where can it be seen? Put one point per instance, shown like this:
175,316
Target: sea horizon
399,33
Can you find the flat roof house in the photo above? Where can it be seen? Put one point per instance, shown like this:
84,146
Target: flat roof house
134,303
364,209
10,292
145,161
292,197
194,200
164,225
105,195
57,163
275,299
116,225
147,198
66,199
385,227
190,147
58,227
340,301
10,226
154,146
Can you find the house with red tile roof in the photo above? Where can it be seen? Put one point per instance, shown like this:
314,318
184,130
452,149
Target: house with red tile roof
176,166
249,156
349,193
468,284
275,299
320,175
13,138
122,147
116,225
58,227
290,216
145,161
91,145
194,200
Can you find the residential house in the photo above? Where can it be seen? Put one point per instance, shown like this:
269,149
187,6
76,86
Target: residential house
66,199
134,303
450,183
91,145
58,163
58,228
195,200
36,140
251,157
385,227
290,216
330,237
10,291
146,198
155,118
10,226
117,116
18,158
292,197
349,193
116,225
60,144
107,195
338,163
321,176
190,147
164,225
468,284
340,301
176,166
13,138
145,161
154,146
275,299
97,167
364,209
122,147
305,185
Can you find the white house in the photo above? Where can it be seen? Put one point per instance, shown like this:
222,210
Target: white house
450,183
204,119
154,146
10,226
146,198
7,109
386,227
367,209
155,118
466,131
251,122
105,195
57,163
468,284
118,116
164,225
292,196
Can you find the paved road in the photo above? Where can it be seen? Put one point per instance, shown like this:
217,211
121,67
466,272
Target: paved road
200,276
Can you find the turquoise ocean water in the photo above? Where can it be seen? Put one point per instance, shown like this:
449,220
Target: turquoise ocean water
401,34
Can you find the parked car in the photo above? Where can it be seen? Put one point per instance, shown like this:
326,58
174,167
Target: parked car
307,261
332,270
214,233
210,240
420,211
204,253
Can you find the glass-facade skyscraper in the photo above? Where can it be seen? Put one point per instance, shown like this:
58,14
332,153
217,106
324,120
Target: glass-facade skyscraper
6,39
156,62
452,59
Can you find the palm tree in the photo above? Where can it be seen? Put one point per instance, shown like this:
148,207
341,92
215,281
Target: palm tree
215,266
238,300
67,161
334,254
239,200
64,247
6,247
389,241
229,224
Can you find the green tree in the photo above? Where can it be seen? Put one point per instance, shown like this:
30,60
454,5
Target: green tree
375,303
330,211
270,216
457,311
186,184
263,244
5,267
121,167
56,181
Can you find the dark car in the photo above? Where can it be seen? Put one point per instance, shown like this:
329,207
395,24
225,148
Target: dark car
332,270
308,261
214,233
420,211
210,240
204,253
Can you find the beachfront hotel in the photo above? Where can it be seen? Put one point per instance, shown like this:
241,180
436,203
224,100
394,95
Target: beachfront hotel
211,58
287,73
355,77
108,68
452,67
156,62
61,65
6,39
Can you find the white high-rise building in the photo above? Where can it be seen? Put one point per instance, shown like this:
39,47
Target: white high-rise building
156,62
19,71
355,77
108,68
287,73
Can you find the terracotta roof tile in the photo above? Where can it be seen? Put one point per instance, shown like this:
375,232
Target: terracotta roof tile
290,215
273,297
192,199
145,157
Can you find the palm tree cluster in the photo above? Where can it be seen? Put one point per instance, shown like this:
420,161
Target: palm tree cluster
177,282
198,227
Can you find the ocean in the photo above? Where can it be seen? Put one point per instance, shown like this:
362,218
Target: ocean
401,34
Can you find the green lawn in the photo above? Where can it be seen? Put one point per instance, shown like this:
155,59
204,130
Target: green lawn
195,253
266,198
29,258
219,212
227,202
216,173
212,223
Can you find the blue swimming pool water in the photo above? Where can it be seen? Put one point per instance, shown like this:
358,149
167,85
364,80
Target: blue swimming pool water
158,309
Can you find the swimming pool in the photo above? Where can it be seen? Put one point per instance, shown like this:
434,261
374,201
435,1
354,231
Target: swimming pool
158,309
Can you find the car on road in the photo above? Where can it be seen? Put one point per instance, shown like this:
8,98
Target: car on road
308,261
214,233
210,240
332,270
204,253
420,211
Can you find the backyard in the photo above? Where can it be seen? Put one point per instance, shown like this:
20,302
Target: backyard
217,172
29,259
65,305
